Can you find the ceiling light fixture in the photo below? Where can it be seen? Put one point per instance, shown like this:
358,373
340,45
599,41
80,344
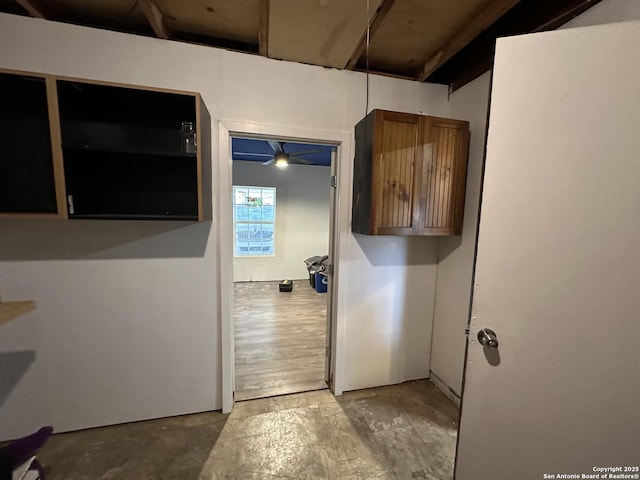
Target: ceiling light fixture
281,160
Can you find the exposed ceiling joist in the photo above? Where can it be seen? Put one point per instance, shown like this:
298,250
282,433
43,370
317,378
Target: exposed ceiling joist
33,8
155,18
449,42
374,23
263,33
485,18
528,16
572,10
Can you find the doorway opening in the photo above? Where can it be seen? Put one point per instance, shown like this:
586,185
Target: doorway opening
282,217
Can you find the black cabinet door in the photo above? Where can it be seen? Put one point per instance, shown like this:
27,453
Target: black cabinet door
26,169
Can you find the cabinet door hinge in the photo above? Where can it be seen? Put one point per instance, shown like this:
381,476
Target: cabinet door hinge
466,331
327,352
334,181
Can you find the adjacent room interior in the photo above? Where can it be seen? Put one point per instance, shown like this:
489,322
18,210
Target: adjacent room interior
281,218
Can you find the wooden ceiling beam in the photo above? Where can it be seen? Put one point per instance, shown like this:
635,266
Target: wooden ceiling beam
567,14
155,18
263,33
528,16
33,8
471,30
374,24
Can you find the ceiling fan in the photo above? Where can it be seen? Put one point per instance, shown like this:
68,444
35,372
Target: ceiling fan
281,158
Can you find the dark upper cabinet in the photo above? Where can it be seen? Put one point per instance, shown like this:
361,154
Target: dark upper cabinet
124,152
81,149
409,174
27,181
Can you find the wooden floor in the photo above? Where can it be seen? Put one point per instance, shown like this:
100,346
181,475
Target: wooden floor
279,339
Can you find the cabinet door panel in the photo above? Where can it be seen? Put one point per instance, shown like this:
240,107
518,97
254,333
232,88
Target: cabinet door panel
444,173
26,169
395,160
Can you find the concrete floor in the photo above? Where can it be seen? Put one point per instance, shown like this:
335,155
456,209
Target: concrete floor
405,431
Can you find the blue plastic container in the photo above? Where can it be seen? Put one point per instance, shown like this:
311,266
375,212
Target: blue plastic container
321,283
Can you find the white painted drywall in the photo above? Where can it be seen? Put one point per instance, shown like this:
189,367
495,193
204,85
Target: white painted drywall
455,256
128,319
390,291
302,219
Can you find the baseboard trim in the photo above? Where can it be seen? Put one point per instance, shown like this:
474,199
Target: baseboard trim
444,388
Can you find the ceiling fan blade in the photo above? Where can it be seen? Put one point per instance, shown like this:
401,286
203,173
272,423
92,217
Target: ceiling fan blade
269,162
306,152
299,161
254,154
276,146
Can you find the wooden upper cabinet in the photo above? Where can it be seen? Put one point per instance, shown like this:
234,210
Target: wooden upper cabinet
409,174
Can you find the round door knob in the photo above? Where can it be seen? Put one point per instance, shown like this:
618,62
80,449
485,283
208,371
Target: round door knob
487,338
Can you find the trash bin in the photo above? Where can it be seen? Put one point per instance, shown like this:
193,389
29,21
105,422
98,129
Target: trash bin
315,264
321,282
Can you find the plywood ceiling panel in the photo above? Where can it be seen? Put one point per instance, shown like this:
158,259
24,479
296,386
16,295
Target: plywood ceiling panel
446,41
236,20
413,30
320,32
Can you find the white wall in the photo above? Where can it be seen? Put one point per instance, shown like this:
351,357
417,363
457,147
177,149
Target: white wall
391,293
128,319
455,256
302,219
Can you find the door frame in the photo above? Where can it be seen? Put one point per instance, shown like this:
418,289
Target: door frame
329,370
341,217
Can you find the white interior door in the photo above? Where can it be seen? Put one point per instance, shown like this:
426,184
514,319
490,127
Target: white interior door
558,262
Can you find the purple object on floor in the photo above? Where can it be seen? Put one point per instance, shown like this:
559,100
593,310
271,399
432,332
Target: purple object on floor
21,450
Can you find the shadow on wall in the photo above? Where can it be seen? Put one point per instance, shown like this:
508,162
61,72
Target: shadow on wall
13,366
448,245
383,250
95,239
404,291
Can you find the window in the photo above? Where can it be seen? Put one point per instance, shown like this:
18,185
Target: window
254,216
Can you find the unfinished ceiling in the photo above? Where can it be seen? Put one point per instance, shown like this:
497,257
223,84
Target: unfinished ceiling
440,41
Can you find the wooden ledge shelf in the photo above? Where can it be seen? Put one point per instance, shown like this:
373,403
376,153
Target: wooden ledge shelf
11,310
